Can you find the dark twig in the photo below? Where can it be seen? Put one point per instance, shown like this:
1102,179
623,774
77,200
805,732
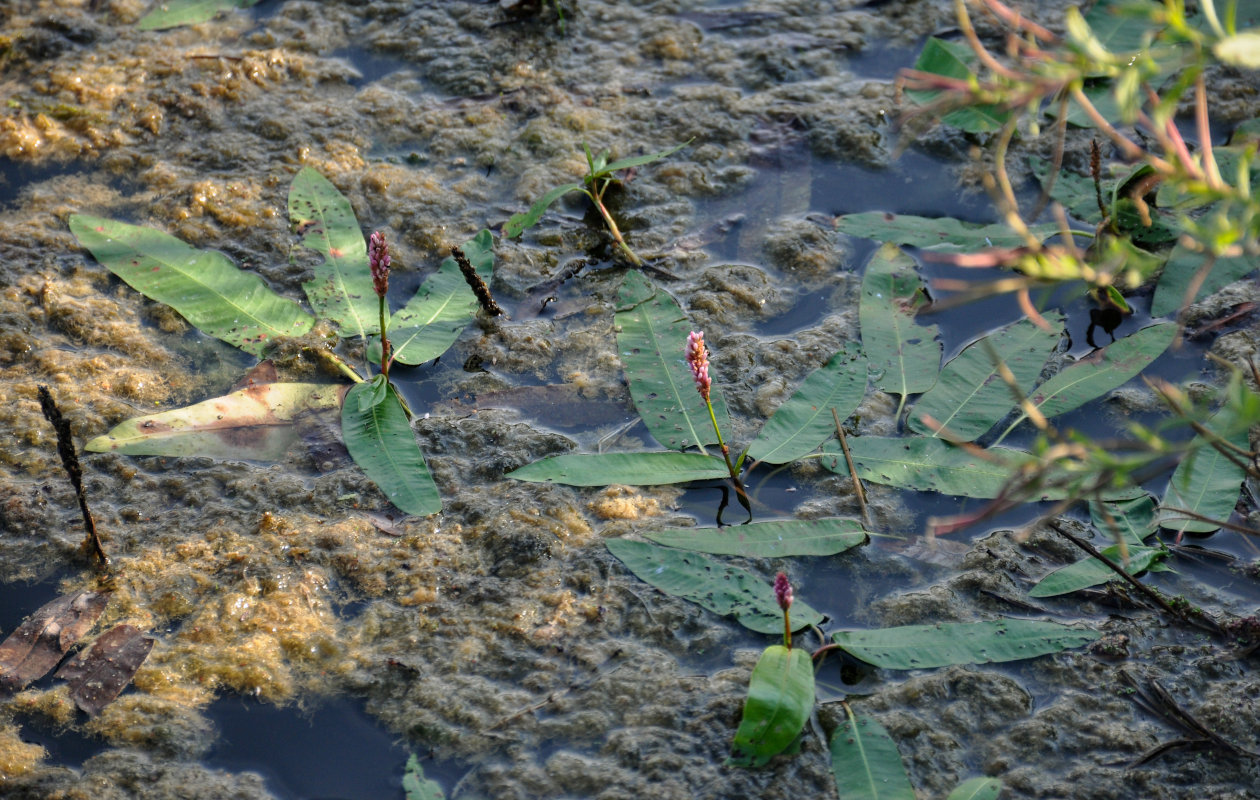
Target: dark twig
476,283
70,461
857,482
1155,699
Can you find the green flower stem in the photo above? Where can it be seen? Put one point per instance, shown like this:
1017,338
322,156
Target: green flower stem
385,354
726,454
787,630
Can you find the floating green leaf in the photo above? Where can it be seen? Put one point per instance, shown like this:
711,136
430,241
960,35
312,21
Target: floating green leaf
638,161
415,786
381,442
924,646
1133,519
342,289
711,584
1206,481
770,539
433,319
652,338
929,465
173,13
865,762
1071,189
953,60
254,423
202,285
935,233
1101,371
970,397
518,223
904,357
631,469
780,700
1091,572
1182,268
977,789
804,421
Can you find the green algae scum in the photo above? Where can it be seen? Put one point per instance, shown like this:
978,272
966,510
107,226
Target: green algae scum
531,636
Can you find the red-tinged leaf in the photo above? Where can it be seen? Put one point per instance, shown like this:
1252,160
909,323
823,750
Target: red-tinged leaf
99,674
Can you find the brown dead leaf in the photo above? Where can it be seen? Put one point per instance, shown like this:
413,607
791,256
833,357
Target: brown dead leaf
99,674
39,643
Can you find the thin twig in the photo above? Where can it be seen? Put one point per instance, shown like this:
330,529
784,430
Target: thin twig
1094,553
848,458
70,461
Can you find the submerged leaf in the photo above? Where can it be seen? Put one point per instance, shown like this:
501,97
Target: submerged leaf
342,288
381,442
977,789
173,13
631,469
1091,572
904,357
38,644
99,674
804,421
770,539
254,423
970,397
724,590
780,700
924,646
415,786
1206,481
202,285
443,306
651,337
866,763
936,233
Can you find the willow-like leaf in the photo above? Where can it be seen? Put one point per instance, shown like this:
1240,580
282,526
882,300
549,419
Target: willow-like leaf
866,763
780,699
925,646
904,357
381,442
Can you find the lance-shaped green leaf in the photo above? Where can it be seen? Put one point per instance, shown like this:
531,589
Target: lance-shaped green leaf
803,422
254,423
631,469
929,465
977,789
518,223
434,318
652,339
954,60
771,539
638,161
173,13
204,286
709,583
1206,481
866,763
342,288
970,397
904,357
935,233
1091,572
1131,520
381,442
1182,269
780,700
1100,372
925,646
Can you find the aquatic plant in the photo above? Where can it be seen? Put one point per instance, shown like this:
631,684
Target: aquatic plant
349,289
599,176
174,13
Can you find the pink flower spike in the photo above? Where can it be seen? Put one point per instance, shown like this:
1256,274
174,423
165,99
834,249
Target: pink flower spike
783,591
378,260
698,360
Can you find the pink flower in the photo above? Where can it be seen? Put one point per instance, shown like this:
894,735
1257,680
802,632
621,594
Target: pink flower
698,360
783,591
378,260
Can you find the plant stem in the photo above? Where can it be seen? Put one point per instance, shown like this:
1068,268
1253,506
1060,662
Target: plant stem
726,456
385,354
340,365
848,458
597,197
787,630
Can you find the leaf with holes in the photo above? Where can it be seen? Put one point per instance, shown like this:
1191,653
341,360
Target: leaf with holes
381,442
652,339
780,699
724,590
970,396
770,539
805,420
342,289
202,285
904,357
926,646
865,761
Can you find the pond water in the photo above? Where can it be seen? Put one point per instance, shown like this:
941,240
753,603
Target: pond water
306,645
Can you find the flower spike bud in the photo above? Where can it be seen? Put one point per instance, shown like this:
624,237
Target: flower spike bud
783,591
698,360
378,260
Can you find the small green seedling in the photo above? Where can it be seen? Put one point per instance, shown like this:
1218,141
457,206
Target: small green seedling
600,175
